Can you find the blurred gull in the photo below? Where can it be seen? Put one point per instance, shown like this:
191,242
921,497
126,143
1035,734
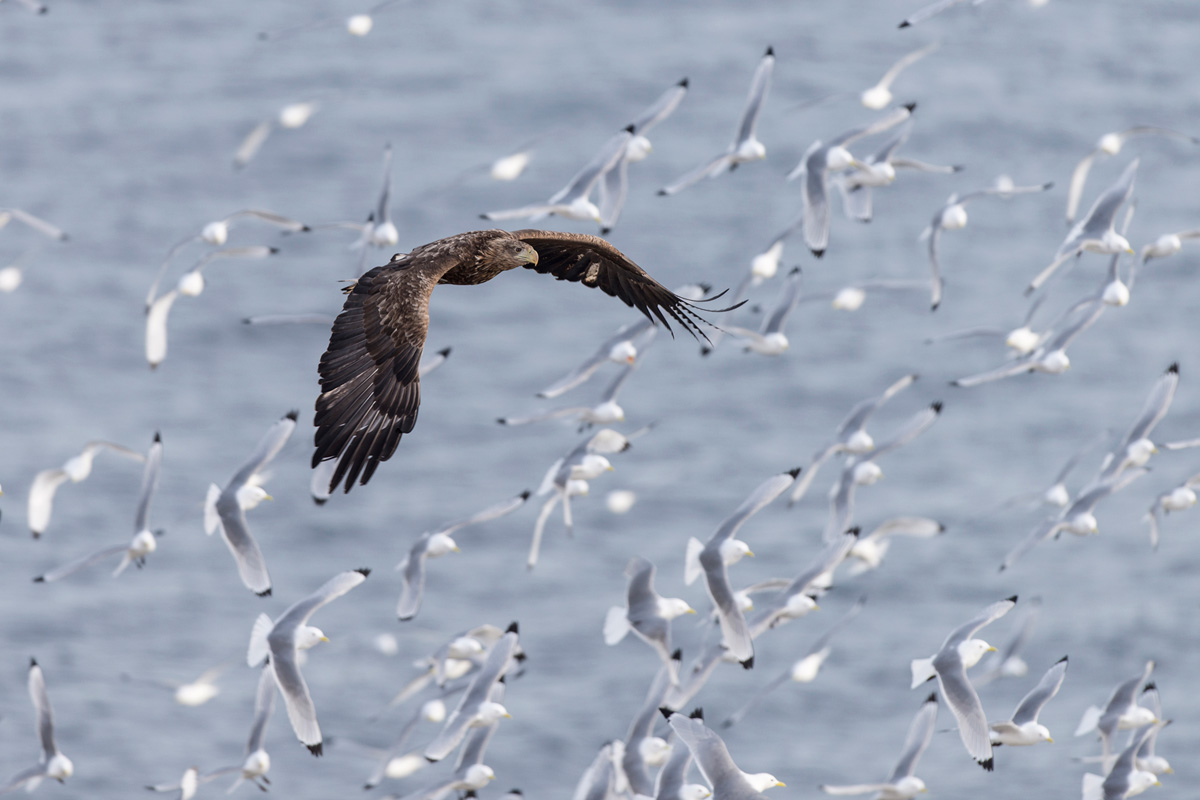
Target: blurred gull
186,786
1146,758
1136,447
953,215
143,542
880,95
1095,233
620,348
1109,145
284,638
1125,778
291,116
1180,498
434,544
671,781
647,613
257,762
37,223
869,551
1077,518
804,669
226,508
949,665
1023,728
75,469
606,412
51,763
475,709
745,146
1007,662
851,435
932,9
194,693
642,748
356,25
470,773
573,200
823,158
770,340
1120,713
712,757
901,784
878,170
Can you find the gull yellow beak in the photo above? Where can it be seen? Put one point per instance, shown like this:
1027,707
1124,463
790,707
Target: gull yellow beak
690,611
816,607
750,553
1050,739
991,650
324,638
1129,250
780,783
267,497
507,715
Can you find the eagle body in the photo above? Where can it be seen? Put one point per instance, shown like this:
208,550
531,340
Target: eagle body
370,389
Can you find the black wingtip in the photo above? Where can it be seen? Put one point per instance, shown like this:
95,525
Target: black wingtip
629,128
445,352
988,764
272,250
677,655
1012,599
1151,686
1061,660
1174,368
293,415
911,107
697,713
364,571
932,698
936,405
32,662
316,749
512,628
157,437
661,192
795,473
305,229
1048,185
247,321
818,253
705,350
264,593
748,663
666,712
525,494
683,83
605,231
483,216
795,271
957,167
855,531
905,24
40,579
320,500
770,51
501,421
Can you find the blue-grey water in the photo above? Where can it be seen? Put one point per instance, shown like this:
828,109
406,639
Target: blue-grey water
119,122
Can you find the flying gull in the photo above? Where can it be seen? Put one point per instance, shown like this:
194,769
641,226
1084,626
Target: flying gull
52,763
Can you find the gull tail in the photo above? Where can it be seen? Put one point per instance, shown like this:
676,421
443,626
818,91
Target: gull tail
691,564
211,518
922,670
616,625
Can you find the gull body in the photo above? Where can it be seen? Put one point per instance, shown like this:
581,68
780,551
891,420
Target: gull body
1023,728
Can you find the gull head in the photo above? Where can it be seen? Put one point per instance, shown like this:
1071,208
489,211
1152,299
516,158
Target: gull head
867,473
1139,452
509,168
839,158
607,440
360,24
1166,245
860,442
434,711
478,775
308,637
734,550
590,466
761,781
672,607
1140,781
1109,144
1056,495
1038,732
869,552
849,298
773,344
1055,362
805,670
143,543
954,217
623,352
654,751
1180,498
296,114
605,413
972,650
694,791
10,278
215,232
798,606
1082,524
744,601
191,283
385,234
765,265
1136,717
78,467
59,767
1155,764
638,148
489,712
250,495
750,150
464,647
581,208
1022,340
439,545
405,765
1014,667
256,764
876,97
196,694
908,786
1115,293
577,487
620,501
